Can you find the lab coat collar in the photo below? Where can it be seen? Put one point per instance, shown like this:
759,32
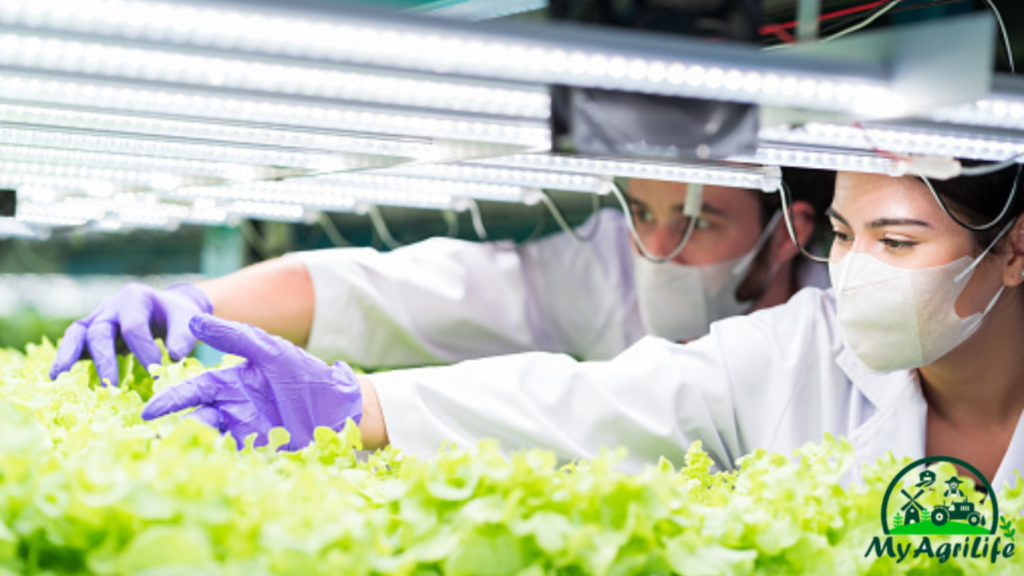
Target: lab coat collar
898,422
880,388
1013,460
901,419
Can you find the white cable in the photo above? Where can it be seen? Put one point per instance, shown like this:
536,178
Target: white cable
1005,35
863,23
614,189
333,234
451,219
382,228
784,196
564,224
990,168
254,239
983,227
478,221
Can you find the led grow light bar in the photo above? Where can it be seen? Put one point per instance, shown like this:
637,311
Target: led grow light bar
119,176
218,170
468,172
1003,108
115,98
14,228
182,148
715,174
820,158
140,125
344,193
177,67
903,138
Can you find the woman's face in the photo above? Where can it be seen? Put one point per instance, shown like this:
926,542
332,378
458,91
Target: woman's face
729,224
898,221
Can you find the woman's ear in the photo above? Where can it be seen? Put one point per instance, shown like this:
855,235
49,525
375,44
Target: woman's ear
803,225
1013,273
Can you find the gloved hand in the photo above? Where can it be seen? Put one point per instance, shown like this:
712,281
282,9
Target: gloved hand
279,384
137,311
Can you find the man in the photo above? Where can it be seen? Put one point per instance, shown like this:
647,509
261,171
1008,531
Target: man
444,300
954,490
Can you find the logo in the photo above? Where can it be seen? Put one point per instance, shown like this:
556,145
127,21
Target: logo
938,502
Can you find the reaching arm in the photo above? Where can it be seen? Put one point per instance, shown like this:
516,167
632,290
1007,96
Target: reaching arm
372,426
276,295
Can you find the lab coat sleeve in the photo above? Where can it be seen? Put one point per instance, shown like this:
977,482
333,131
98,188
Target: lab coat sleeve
732,390
444,300
649,399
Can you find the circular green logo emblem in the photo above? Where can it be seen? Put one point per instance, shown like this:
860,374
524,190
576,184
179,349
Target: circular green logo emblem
929,504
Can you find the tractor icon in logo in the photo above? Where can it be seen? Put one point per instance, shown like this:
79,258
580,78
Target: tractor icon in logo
962,509
929,507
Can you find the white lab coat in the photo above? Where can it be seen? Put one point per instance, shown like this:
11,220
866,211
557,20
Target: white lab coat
775,379
443,300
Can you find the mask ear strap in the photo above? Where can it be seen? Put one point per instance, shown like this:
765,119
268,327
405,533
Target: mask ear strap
765,235
974,264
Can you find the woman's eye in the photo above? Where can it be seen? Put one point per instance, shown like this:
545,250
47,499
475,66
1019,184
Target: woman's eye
893,244
842,237
702,224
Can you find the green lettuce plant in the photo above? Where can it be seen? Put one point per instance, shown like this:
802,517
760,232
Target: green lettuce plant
88,488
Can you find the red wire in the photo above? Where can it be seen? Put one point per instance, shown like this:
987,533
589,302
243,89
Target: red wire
781,34
875,148
771,28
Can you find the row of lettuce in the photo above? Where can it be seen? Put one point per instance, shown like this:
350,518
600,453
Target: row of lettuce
87,487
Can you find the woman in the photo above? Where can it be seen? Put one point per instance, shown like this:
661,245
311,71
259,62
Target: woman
916,351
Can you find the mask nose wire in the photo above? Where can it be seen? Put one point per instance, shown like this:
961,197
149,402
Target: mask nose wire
960,277
761,241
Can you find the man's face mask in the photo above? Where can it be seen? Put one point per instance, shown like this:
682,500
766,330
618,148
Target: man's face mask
904,318
679,302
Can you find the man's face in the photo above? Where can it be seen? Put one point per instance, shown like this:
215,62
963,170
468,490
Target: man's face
728,227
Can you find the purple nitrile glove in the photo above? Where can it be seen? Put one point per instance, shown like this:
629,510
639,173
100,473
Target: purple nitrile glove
279,384
136,311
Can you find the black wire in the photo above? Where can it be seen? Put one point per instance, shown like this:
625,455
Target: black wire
934,3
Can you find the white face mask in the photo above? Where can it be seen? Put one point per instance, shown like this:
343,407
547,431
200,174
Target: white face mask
679,302
903,318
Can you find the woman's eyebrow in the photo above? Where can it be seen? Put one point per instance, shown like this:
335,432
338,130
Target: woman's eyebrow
880,222
883,222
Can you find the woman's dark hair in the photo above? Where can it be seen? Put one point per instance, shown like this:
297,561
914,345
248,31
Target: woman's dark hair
977,200
816,187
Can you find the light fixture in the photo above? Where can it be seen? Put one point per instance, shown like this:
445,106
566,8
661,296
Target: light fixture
119,102
133,163
120,177
1002,109
15,228
421,186
343,194
538,54
903,138
820,158
476,10
186,149
760,178
469,172
267,211
280,77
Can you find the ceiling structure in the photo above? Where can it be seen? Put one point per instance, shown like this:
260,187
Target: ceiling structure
123,114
